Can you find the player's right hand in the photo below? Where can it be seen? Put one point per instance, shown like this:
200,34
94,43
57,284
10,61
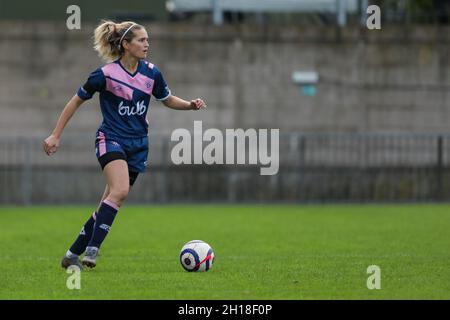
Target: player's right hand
50,145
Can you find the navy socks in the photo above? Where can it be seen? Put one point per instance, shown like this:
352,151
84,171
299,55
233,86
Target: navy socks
85,235
105,218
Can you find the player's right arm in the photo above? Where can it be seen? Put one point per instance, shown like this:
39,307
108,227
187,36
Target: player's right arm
95,83
51,144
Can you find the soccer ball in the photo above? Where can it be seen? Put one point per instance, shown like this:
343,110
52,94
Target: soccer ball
196,255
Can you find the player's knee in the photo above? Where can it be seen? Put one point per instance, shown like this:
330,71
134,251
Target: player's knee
120,193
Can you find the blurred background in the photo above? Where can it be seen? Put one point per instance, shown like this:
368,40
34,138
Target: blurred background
374,127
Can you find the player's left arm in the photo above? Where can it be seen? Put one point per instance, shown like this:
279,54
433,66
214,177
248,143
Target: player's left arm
176,103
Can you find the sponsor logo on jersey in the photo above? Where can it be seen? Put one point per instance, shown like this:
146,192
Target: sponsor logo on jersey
138,109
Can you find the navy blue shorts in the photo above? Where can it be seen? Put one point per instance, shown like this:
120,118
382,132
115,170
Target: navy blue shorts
133,151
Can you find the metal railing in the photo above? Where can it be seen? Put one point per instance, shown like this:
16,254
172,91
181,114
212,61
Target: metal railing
217,7
340,12
312,168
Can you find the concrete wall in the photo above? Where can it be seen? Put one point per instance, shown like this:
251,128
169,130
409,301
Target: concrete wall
395,79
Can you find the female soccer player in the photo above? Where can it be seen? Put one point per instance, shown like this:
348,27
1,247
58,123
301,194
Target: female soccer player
125,84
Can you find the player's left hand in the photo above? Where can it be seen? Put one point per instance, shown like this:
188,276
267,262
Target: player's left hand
197,104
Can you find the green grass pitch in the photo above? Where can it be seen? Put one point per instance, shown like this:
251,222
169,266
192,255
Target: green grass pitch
262,252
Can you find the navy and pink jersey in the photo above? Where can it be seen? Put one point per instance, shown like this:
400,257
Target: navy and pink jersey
125,97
